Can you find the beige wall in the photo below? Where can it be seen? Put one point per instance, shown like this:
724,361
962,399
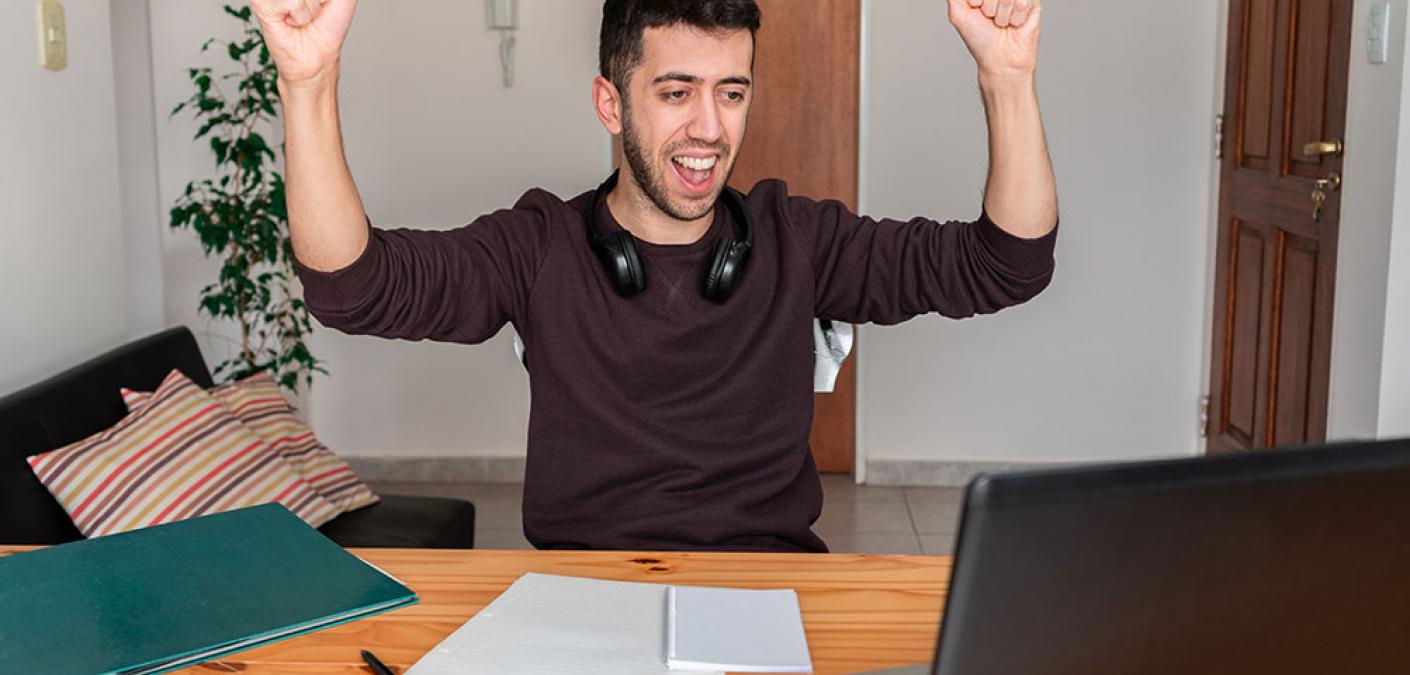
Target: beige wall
62,276
1115,358
433,140
142,213
1108,362
1358,327
1394,413
176,31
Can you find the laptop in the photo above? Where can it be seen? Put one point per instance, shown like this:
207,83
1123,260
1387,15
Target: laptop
1290,562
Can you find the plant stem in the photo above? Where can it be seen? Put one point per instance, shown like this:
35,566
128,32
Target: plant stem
251,219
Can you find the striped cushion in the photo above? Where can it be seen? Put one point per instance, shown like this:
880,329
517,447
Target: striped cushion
182,456
260,405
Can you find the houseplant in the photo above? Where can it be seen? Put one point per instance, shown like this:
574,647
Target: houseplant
240,214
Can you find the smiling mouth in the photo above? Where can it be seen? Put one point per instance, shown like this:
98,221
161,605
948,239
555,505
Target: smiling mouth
697,174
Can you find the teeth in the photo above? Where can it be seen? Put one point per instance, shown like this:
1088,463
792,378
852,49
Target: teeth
697,164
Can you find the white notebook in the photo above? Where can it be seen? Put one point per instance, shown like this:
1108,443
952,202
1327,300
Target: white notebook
553,625
735,630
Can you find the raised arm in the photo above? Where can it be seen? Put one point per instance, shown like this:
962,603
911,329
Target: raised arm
326,217
458,285
1002,35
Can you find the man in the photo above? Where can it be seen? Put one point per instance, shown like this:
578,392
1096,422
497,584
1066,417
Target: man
667,321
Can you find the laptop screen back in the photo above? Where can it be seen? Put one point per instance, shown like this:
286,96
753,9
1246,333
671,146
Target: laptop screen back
1289,563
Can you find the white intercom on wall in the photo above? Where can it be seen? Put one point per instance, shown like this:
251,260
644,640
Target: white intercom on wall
503,16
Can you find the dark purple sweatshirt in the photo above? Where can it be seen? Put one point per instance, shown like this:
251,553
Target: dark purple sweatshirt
663,420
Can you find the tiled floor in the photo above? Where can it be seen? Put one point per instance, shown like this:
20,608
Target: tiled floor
855,518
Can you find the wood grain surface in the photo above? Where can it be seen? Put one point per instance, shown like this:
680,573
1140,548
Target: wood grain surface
860,611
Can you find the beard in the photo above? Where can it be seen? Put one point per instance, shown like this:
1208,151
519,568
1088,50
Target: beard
651,178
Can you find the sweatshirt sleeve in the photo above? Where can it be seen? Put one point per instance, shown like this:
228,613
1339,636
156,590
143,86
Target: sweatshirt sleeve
459,285
888,271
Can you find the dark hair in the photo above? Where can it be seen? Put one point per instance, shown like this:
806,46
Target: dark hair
625,21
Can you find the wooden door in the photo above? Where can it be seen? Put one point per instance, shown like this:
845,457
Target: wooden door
803,129
1285,88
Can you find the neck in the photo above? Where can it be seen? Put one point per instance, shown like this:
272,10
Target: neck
636,213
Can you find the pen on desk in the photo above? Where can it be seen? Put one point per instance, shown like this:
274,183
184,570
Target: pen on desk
375,664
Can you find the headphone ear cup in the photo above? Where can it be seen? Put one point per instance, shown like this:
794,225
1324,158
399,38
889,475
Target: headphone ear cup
618,254
636,273
723,273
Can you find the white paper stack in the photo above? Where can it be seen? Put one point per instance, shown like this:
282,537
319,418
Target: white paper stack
735,630
552,625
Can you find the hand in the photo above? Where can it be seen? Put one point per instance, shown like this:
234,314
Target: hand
305,37
1002,35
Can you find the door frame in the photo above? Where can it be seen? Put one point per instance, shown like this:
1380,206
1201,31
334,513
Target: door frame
859,397
1211,252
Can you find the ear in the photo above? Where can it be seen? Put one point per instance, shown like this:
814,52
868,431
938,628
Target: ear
607,101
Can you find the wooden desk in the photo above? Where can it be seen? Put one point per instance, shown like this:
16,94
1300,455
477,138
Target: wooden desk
860,611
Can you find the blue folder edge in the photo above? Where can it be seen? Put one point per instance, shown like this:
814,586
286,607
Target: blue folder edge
197,656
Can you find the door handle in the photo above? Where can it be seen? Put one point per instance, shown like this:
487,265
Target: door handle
1333,148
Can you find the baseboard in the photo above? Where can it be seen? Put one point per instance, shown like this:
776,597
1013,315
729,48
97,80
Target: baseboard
510,469
436,469
940,473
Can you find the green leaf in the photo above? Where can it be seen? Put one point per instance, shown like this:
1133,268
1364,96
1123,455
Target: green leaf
212,123
220,146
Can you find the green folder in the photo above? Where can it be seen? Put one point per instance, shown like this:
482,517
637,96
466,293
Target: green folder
170,596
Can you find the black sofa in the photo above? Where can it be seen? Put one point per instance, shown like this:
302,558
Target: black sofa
85,400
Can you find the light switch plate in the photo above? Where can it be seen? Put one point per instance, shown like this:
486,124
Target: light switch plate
1378,33
53,35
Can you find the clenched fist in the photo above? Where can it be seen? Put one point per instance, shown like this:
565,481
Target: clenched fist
1002,35
305,37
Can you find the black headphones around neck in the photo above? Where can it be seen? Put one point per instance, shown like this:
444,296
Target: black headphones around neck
617,249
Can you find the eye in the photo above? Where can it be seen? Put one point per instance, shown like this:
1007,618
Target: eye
734,96
676,95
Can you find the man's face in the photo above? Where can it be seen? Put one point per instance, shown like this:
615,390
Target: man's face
684,115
